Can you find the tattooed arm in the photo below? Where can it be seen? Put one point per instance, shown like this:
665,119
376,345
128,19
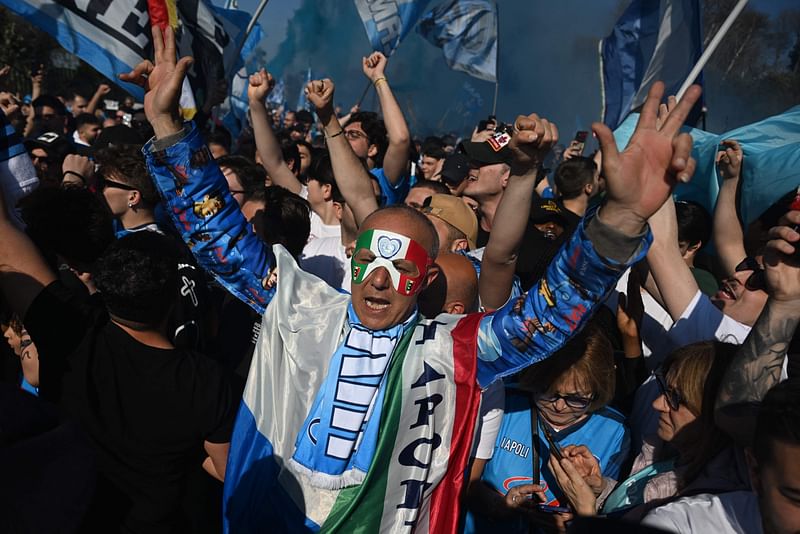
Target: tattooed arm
758,363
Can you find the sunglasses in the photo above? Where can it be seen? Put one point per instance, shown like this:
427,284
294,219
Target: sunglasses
673,396
103,183
756,281
577,402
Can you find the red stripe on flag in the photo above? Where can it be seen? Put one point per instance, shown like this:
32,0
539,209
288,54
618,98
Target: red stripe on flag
446,498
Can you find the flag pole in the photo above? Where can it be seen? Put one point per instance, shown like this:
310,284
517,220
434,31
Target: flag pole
712,46
496,62
252,24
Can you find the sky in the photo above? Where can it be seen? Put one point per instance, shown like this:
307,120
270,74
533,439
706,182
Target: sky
548,61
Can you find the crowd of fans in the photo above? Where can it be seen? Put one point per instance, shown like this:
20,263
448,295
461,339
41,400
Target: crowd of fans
635,367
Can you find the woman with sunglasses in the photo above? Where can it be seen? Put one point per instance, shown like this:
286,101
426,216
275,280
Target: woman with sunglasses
559,402
694,455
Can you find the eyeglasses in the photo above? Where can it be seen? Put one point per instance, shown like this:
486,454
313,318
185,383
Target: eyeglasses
758,279
573,401
354,134
673,397
103,182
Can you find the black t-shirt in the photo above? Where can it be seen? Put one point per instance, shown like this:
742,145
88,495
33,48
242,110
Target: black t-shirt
147,410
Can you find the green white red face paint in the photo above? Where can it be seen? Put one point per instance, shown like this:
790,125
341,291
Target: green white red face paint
388,248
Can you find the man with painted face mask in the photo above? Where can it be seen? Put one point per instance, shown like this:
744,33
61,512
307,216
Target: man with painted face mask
359,415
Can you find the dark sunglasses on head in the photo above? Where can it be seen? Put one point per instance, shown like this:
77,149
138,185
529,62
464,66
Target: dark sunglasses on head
758,279
672,395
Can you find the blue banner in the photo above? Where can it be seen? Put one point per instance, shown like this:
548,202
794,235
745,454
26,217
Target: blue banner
388,21
653,40
466,31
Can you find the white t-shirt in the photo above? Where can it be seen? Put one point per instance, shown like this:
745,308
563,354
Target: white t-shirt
735,512
493,401
318,228
326,258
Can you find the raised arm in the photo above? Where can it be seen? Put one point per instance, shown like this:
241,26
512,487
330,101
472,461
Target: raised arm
350,174
676,285
500,257
195,193
261,83
728,235
638,181
102,90
23,271
395,161
758,362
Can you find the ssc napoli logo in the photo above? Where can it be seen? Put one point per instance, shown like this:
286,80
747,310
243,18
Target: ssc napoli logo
388,246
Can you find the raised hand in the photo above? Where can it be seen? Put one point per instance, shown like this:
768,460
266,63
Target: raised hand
103,89
261,84
373,66
782,260
162,83
320,93
729,161
532,140
640,178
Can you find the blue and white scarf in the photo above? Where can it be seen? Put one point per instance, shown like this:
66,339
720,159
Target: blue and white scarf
336,444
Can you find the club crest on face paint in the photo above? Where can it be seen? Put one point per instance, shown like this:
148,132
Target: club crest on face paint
388,247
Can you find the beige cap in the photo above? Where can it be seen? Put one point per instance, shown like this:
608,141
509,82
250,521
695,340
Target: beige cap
452,210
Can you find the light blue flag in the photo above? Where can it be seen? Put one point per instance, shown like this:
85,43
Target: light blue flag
771,162
388,21
277,98
466,31
653,40
302,99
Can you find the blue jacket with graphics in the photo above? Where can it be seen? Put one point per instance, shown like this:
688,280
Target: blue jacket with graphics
524,331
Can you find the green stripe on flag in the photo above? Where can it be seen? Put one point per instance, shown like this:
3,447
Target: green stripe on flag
360,508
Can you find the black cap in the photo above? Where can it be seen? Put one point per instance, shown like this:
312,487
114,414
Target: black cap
494,150
455,169
545,209
56,145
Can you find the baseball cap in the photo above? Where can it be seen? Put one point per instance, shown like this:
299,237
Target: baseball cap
494,150
453,211
545,209
455,169
57,146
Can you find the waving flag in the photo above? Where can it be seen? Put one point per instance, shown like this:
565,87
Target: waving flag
771,162
466,31
653,40
114,35
388,21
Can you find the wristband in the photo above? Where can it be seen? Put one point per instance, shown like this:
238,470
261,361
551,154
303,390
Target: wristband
79,175
381,79
337,134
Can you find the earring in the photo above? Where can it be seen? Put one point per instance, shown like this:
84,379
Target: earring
130,204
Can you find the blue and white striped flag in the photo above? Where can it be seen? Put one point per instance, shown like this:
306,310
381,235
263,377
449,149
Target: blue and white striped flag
466,31
388,21
653,40
113,36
